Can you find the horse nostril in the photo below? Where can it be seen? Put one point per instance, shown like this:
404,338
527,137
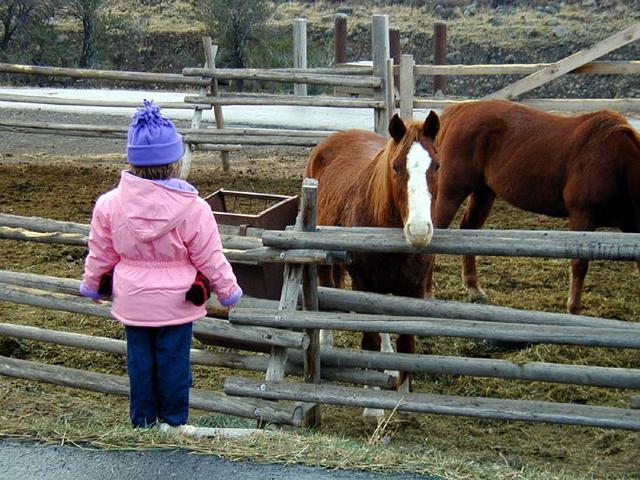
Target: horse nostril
418,234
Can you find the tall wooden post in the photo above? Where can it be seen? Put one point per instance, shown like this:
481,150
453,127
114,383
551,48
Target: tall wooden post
406,87
394,50
440,55
380,54
340,39
210,52
300,52
293,275
312,372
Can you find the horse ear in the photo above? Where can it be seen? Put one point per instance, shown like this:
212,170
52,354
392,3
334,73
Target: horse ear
431,125
397,128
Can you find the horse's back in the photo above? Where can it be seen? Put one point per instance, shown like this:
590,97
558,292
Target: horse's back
338,163
537,161
350,150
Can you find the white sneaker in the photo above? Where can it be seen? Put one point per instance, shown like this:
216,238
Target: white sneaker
178,429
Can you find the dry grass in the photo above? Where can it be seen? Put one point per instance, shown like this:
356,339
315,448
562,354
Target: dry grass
57,415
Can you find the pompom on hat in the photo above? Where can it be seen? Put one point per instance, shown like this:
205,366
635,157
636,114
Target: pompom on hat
152,139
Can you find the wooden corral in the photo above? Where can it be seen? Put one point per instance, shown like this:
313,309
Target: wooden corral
388,83
291,334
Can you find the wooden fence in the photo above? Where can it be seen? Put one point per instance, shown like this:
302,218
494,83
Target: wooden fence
449,319
388,83
538,74
290,335
209,97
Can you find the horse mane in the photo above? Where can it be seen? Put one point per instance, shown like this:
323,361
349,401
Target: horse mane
379,188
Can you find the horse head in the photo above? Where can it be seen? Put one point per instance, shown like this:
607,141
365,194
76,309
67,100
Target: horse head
412,166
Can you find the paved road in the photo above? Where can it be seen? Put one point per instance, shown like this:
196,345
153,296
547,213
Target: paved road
27,460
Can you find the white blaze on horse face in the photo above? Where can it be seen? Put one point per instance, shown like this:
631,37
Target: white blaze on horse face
418,228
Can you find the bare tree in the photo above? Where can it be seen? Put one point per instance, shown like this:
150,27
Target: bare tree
87,12
28,32
14,15
234,24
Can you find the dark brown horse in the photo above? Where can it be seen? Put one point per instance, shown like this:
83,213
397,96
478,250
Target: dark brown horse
367,180
586,168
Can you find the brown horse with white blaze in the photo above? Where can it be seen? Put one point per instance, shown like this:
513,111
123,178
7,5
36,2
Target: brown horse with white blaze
367,180
586,168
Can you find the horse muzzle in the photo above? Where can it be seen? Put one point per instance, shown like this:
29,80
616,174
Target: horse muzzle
418,234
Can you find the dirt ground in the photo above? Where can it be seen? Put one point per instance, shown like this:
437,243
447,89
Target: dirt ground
60,178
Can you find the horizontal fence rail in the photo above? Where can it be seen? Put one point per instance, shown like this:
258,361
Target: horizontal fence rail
119,385
366,302
376,303
84,102
523,410
142,77
584,245
287,100
201,357
549,104
236,248
199,135
597,68
283,76
613,377
205,327
358,322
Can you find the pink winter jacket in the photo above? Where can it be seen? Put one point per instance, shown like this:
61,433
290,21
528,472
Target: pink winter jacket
157,238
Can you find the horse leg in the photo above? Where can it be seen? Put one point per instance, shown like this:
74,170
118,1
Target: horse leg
446,206
372,341
405,344
579,268
387,347
475,214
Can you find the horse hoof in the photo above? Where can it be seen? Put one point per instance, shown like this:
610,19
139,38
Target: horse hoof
574,310
373,413
477,296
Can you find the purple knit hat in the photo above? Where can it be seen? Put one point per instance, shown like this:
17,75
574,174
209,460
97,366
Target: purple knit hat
152,139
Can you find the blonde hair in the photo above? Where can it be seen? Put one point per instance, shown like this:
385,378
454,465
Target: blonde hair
160,172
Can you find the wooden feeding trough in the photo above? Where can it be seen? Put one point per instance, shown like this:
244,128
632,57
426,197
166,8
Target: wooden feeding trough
261,211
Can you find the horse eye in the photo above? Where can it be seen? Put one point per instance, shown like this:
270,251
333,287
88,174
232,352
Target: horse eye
436,167
397,168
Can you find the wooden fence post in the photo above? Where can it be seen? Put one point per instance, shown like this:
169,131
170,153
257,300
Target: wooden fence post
197,113
210,52
380,54
440,55
406,87
291,289
300,52
340,39
217,109
390,91
394,50
312,372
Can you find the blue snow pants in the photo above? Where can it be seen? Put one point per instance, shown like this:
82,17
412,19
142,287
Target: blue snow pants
159,368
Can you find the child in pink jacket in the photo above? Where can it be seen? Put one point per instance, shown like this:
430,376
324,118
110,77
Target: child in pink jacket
156,235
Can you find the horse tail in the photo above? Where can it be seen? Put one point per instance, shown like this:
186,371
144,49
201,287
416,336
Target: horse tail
310,170
631,167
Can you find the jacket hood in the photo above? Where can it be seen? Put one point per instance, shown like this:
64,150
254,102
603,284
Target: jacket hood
152,209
